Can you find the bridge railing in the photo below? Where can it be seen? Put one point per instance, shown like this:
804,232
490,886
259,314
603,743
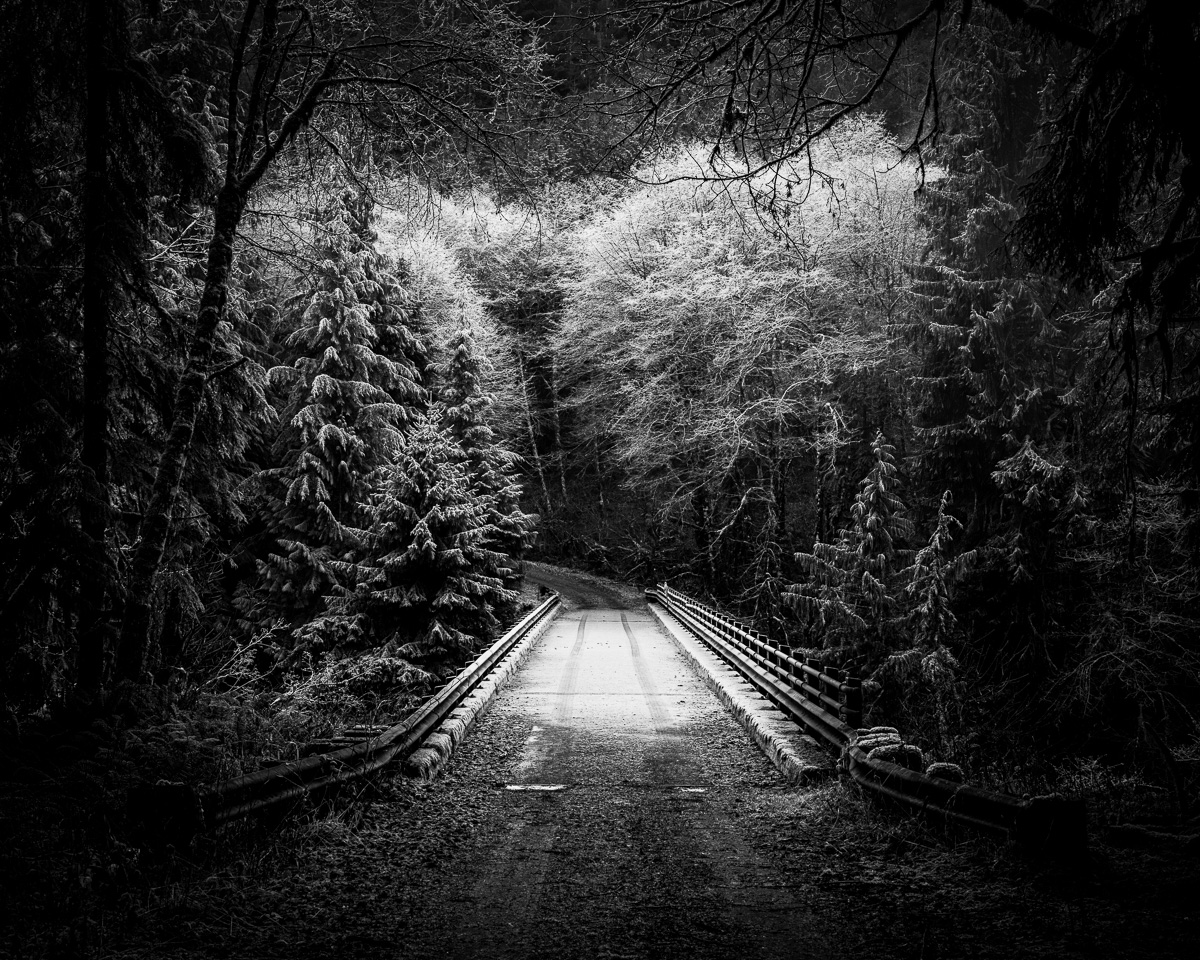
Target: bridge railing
828,703
186,810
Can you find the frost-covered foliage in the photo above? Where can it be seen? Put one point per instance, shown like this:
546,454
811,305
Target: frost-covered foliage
935,570
708,322
448,299
424,577
513,256
358,685
852,585
491,468
346,404
392,509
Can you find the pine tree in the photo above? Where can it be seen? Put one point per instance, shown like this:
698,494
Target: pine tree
424,577
932,577
853,582
1042,500
491,469
347,404
994,345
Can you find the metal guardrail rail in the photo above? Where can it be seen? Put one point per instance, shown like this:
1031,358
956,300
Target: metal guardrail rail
828,703
208,807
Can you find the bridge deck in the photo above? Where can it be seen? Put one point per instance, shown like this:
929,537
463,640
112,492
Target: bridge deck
619,820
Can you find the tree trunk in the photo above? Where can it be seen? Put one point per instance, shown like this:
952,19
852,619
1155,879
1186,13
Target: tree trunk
558,447
97,301
533,448
251,150
600,495
156,524
703,535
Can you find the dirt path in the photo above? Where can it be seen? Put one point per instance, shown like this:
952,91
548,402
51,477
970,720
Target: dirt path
581,591
607,806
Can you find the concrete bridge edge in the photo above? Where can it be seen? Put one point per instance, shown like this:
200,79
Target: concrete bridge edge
795,754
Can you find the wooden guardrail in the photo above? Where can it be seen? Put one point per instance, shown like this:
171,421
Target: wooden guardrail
182,809
828,703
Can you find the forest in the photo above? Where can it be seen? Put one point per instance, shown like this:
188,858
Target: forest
871,322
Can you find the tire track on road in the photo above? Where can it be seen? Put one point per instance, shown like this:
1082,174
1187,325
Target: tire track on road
664,721
564,710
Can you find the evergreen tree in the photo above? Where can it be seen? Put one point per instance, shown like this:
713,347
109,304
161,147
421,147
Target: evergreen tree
424,578
346,406
1002,347
491,469
933,574
993,348
1043,500
853,582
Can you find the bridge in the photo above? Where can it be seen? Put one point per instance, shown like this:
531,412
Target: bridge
613,781
608,785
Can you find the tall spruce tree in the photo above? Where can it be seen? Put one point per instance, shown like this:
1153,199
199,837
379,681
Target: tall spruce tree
933,574
425,580
853,583
491,468
346,405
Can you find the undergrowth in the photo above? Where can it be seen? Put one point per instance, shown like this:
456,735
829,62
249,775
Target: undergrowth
75,864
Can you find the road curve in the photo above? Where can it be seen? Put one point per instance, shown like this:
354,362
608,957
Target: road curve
582,591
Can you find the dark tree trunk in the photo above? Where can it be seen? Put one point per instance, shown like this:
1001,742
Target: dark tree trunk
703,535
552,389
533,440
251,149
93,621
156,524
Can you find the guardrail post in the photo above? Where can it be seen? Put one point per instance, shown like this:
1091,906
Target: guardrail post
852,702
777,656
815,664
833,680
831,685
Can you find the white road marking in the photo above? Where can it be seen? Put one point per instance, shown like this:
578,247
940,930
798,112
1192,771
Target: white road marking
546,787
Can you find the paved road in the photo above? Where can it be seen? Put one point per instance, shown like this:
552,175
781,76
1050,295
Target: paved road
617,834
